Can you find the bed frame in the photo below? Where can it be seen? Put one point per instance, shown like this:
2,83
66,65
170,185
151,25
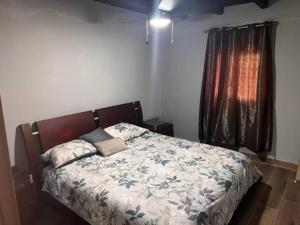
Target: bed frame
45,134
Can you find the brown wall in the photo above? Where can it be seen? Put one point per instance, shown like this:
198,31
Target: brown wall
8,206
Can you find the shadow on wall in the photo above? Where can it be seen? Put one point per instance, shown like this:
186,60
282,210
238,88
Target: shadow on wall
19,151
90,12
273,2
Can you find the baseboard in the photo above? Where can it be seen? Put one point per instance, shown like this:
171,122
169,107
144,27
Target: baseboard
249,152
273,162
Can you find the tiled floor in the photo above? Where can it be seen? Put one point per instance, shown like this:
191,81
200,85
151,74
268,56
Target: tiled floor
273,201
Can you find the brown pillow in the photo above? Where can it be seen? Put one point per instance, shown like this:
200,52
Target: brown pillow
111,146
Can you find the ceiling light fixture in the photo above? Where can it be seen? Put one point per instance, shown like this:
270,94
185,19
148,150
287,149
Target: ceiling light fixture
160,20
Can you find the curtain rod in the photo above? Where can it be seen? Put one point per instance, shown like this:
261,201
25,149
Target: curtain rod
274,20
245,25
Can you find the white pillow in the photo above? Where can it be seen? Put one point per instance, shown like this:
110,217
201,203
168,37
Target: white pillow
125,131
66,153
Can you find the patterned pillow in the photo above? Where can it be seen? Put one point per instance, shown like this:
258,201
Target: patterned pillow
125,131
69,152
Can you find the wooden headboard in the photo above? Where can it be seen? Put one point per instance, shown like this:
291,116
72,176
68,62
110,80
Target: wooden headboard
59,130
129,113
48,133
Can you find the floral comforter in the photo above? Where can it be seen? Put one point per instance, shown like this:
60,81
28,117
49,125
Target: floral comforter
159,180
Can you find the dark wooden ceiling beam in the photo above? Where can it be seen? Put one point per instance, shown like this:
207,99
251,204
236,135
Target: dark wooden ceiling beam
262,3
184,8
142,6
198,7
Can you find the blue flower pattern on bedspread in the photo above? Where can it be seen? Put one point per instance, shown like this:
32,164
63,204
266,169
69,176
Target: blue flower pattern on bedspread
159,180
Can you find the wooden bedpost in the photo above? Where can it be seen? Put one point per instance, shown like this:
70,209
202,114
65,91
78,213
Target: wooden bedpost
32,153
139,112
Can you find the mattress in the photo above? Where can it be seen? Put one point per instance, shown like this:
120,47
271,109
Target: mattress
159,180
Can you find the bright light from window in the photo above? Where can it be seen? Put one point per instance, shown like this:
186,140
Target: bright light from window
160,22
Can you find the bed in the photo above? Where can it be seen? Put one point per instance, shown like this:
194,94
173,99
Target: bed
159,180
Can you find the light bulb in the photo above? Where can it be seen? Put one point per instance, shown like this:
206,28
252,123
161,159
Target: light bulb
160,22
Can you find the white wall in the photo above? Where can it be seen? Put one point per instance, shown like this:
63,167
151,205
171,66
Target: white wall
60,57
67,56
183,68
